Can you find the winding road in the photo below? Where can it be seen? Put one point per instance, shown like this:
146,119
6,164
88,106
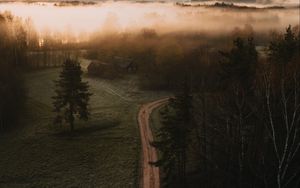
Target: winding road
150,173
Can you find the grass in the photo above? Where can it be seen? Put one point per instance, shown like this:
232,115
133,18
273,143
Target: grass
155,121
103,152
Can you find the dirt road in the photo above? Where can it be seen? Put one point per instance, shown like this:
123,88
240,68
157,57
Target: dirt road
150,176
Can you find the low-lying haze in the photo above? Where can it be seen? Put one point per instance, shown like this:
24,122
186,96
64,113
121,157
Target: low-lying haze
163,17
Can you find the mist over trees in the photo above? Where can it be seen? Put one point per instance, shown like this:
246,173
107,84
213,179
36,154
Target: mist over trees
20,49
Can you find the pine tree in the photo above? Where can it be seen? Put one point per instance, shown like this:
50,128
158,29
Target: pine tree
173,138
166,145
239,64
238,74
282,50
72,94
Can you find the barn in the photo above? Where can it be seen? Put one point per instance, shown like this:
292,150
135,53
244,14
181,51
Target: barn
102,70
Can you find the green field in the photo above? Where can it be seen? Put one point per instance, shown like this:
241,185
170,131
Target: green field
103,152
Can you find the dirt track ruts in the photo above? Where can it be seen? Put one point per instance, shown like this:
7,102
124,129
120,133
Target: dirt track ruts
150,173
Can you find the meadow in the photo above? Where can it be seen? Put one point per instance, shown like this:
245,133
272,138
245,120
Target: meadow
103,152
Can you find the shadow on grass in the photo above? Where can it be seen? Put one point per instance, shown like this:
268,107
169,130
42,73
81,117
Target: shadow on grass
83,130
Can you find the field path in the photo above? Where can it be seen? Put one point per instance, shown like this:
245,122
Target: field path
150,176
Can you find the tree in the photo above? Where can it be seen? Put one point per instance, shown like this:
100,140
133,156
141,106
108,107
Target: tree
283,48
237,110
283,124
12,94
12,55
72,94
173,138
281,95
239,64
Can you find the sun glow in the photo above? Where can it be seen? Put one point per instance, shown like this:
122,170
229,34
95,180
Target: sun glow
130,16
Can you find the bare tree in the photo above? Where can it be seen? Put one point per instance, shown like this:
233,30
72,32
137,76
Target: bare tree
283,115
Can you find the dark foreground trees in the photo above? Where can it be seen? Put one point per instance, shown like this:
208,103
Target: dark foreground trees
12,59
247,127
72,95
281,88
12,95
253,135
174,137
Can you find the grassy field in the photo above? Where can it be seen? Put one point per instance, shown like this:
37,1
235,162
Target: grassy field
103,152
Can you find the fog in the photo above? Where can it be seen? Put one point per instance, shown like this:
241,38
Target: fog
163,17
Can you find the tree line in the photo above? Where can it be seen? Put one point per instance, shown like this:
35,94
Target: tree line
12,60
20,51
240,125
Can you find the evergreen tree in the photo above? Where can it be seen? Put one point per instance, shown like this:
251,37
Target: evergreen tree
72,94
238,71
282,50
173,138
239,64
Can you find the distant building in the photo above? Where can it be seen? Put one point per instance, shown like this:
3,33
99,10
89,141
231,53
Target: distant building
125,64
99,68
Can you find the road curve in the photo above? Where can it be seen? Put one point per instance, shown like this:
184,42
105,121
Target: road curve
150,173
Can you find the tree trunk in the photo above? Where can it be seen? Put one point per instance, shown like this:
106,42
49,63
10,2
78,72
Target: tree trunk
71,118
204,133
72,124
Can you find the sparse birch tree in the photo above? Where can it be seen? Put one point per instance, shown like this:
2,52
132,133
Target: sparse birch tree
284,127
